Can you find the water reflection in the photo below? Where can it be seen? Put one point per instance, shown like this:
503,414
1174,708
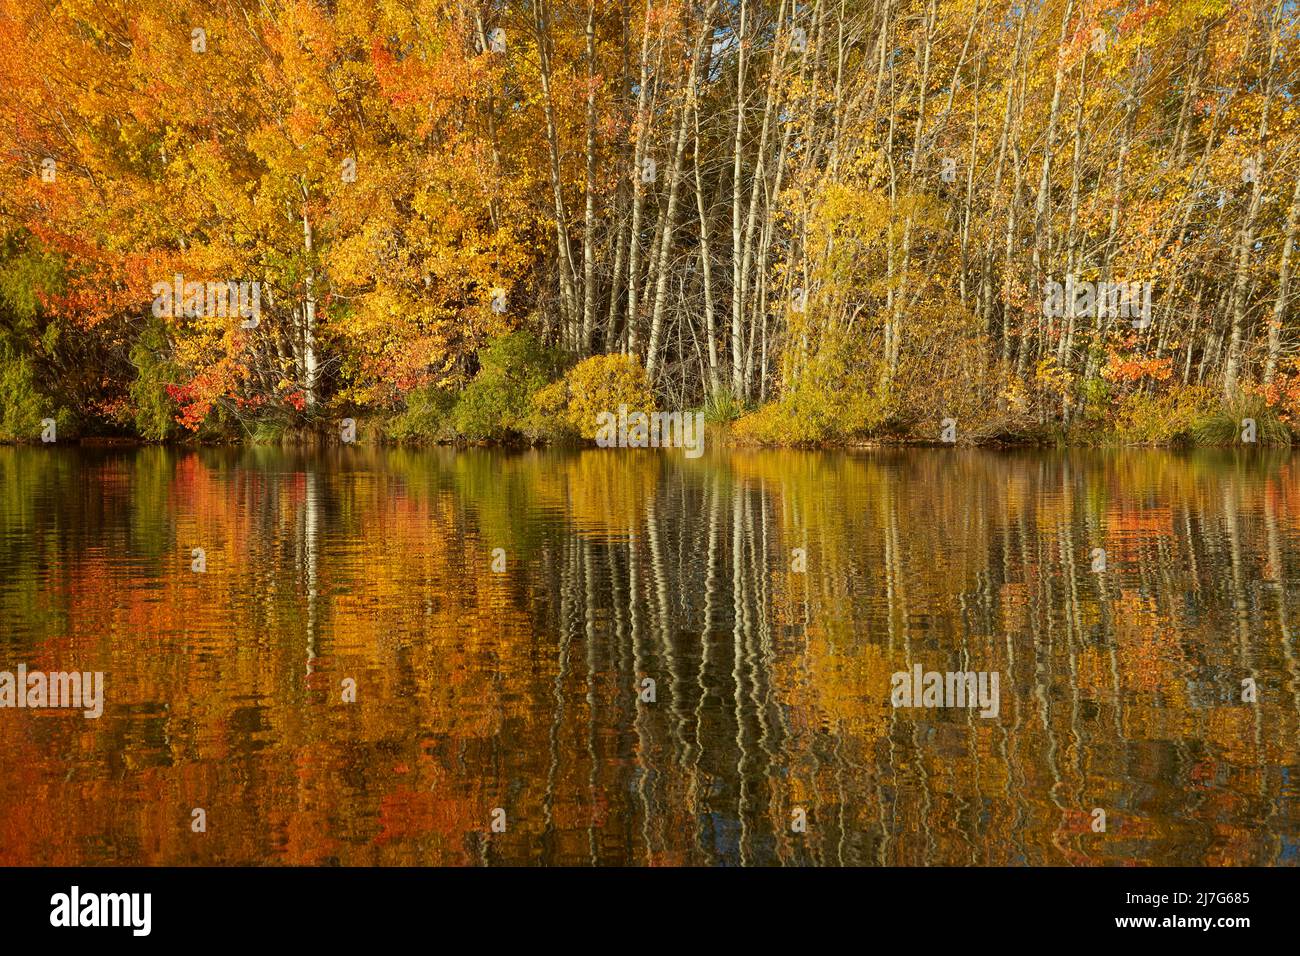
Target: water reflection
1120,689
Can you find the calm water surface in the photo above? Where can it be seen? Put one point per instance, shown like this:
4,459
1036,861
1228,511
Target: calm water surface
476,690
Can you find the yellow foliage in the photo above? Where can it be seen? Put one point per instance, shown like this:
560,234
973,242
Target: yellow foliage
832,396
1142,419
601,384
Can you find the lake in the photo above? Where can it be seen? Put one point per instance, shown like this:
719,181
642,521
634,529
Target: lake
385,656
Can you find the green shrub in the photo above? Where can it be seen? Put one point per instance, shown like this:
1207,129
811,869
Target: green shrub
154,411
723,407
270,431
22,405
498,402
427,416
1223,426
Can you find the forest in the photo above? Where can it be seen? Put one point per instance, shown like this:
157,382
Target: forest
830,222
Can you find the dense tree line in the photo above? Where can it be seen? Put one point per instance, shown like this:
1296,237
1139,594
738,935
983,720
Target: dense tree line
850,215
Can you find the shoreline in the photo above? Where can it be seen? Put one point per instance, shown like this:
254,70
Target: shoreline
716,437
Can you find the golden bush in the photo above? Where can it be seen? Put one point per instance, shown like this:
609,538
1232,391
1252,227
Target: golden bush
601,384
